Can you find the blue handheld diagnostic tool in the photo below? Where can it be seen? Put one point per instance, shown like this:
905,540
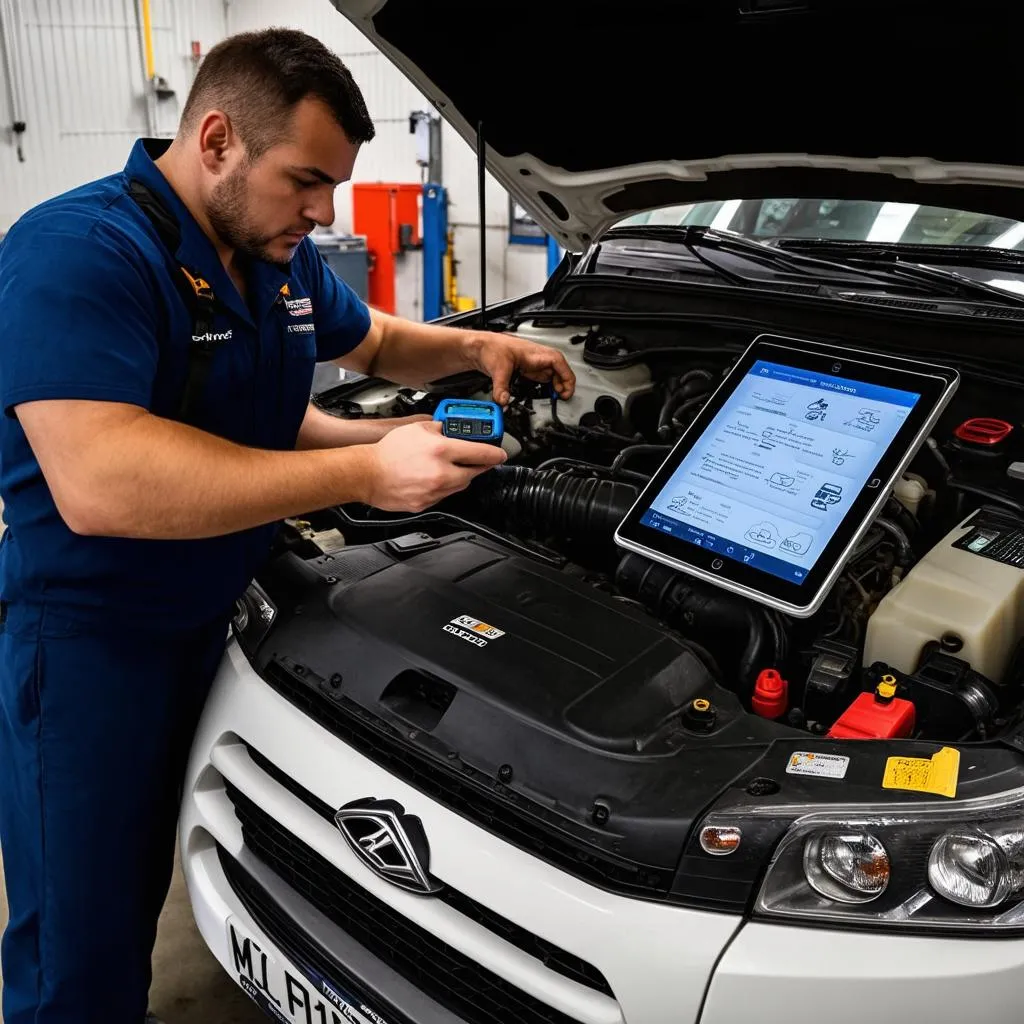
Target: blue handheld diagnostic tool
471,420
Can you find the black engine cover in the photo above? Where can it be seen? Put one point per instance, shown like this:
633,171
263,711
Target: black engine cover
567,697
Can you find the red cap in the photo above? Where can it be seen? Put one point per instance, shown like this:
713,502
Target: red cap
983,430
771,694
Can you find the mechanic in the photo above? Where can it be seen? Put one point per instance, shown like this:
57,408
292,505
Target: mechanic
160,329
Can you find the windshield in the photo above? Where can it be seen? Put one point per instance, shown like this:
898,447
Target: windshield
842,220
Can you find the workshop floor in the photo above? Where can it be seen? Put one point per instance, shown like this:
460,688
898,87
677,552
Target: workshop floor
189,986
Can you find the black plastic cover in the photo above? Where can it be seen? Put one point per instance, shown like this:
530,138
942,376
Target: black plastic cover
574,700
554,715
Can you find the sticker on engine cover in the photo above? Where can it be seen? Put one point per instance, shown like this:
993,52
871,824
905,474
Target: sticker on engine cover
473,631
482,628
821,766
937,774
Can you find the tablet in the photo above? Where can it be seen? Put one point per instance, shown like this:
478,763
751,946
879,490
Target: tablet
770,489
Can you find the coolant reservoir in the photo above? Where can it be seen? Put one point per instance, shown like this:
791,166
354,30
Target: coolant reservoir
969,586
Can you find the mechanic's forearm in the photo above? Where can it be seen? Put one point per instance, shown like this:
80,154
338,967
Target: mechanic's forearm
321,430
157,479
415,354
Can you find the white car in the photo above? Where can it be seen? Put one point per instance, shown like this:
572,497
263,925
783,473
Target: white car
481,765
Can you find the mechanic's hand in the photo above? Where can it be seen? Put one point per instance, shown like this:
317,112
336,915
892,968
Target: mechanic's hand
415,466
499,355
389,423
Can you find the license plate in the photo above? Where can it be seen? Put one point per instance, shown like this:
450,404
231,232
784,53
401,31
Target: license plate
287,994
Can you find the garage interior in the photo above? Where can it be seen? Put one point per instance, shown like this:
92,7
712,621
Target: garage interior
703,689
82,79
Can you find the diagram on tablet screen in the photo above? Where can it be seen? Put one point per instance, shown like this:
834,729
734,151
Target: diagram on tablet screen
782,461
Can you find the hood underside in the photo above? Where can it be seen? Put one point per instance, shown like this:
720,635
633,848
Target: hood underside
595,110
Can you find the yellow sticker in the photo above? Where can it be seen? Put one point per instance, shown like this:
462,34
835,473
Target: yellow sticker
937,774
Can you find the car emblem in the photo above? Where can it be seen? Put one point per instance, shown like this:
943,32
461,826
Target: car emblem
390,842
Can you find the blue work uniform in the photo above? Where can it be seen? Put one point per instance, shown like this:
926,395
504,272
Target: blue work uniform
109,645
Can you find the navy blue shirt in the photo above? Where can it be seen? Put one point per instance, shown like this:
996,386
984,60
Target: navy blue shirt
89,310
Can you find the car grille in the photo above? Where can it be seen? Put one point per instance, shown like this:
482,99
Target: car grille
289,937
445,974
553,957
515,819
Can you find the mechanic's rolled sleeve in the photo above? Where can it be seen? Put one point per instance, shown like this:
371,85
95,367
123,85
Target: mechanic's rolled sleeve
342,319
79,320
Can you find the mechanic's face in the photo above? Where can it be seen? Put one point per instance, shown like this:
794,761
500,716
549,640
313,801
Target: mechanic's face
265,209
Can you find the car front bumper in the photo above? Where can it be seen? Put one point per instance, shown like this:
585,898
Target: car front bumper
662,964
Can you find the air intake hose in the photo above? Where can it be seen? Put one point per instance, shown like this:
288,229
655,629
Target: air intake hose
730,628
555,503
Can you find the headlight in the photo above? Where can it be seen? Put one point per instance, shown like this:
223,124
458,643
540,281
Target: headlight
254,615
975,869
955,866
849,867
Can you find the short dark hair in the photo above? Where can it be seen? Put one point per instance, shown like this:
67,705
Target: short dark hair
257,79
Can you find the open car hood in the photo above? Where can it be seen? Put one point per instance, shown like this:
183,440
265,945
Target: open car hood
594,110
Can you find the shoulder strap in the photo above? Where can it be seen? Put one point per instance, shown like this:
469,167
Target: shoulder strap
195,291
160,217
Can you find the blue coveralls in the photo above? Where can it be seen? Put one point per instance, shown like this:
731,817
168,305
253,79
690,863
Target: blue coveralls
109,645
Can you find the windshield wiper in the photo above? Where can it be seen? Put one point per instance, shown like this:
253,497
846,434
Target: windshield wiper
919,252
699,240
913,262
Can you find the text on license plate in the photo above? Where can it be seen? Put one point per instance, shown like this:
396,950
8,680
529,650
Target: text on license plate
287,995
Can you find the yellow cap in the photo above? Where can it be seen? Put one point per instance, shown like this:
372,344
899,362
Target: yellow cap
886,689
700,704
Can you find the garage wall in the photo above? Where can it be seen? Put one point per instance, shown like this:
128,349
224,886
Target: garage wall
79,85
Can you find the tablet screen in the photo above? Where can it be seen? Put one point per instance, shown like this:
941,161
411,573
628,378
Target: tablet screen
776,469
783,470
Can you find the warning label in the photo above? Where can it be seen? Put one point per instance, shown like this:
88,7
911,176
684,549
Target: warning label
822,766
937,774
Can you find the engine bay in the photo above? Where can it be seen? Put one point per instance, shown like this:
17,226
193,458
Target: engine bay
921,637
503,654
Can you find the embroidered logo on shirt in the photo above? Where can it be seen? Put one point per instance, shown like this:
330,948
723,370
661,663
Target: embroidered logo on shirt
301,328
299,307
212,336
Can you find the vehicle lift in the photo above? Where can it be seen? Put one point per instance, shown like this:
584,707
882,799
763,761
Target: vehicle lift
440,282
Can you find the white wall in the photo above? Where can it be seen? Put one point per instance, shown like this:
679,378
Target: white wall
80,69
81,75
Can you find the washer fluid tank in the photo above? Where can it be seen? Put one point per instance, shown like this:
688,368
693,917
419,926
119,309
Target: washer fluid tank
967,593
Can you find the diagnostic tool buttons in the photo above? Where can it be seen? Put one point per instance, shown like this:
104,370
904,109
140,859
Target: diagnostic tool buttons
471,420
